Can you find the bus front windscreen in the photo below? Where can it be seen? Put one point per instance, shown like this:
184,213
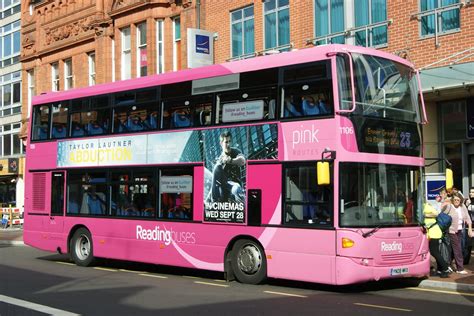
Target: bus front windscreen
378,195
383,88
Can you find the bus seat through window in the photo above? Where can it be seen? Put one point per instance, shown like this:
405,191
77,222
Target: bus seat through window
59,131
94,128
77,130
309,106
180,119
134,123
43,132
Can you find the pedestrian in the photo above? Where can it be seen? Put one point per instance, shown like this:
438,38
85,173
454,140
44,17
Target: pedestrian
460,217
434,239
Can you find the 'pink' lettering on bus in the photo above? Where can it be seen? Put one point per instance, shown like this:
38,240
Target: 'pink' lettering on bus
305,136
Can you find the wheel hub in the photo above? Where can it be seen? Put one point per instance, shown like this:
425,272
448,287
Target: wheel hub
249,259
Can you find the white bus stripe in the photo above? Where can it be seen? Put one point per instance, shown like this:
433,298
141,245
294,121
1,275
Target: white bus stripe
36,307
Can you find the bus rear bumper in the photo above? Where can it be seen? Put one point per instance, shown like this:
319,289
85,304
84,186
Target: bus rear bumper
349,271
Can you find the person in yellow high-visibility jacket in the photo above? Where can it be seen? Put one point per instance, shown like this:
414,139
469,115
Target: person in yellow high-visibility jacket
434,235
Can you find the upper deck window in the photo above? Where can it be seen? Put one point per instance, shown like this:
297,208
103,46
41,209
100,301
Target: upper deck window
40,128
187,112
136,111
383,88
59,114
307,90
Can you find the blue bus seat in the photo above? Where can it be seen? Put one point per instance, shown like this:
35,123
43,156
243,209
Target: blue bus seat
77,130
310,108
134,123
59,131
94,128
180,119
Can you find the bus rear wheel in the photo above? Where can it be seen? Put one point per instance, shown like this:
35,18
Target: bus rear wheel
82,251
249,263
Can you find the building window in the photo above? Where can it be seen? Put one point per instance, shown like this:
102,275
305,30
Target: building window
142,64
277,23
439,16
10,142
68,77
31,88
91,59
243,42
10,43
11,93
176,43
329,22
55,76
126,54
371,26
10,7
160,47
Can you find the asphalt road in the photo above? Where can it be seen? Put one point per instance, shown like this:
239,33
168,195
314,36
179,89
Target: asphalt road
39,283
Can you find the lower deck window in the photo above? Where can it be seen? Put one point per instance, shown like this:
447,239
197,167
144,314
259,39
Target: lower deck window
306,203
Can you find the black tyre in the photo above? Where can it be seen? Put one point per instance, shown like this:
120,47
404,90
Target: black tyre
81,248
249,263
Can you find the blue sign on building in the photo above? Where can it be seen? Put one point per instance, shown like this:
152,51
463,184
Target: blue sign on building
202,44
433,187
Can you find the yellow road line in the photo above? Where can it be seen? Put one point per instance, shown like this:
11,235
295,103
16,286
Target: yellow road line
220,281
440,291
130,271
384,307
153,276
285,294
66,263
106,269
213,284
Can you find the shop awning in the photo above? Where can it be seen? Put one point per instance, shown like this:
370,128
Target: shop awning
448,77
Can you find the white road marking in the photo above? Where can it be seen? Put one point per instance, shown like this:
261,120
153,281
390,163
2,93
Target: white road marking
285,294
153,276
213,284
66,263
36,307
384,307
106,269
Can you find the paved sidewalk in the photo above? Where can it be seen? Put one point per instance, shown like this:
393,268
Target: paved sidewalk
456,282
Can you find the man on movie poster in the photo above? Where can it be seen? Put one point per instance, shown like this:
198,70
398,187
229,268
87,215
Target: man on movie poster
226,198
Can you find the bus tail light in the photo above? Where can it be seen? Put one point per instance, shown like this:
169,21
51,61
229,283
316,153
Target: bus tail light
347,243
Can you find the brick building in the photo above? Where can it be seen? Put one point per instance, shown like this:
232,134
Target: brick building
67,44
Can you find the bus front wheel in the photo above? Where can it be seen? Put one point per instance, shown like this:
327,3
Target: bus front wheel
249,263
81,248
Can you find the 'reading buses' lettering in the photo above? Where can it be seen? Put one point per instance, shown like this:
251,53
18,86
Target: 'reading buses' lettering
155,234
101,155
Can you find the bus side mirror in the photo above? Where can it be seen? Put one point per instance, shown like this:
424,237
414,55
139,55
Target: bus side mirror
449,179
323,173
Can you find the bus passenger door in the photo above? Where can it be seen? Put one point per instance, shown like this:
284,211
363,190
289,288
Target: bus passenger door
55,220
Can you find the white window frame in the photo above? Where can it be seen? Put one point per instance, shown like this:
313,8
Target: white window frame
277,11
10,80
126,53
68,75
91,61
31,88
175,43
14,129
140,46
160,47
55,76
242,21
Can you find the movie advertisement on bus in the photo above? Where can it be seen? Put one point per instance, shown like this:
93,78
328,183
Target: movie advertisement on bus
226,153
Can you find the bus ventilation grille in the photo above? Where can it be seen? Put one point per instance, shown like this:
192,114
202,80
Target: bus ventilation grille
39,186
399,257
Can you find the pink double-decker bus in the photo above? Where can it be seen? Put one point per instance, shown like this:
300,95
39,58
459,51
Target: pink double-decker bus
305,165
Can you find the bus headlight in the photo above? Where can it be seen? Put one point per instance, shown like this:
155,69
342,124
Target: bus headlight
347,243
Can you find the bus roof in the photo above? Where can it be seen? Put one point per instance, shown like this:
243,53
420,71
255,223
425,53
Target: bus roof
245,65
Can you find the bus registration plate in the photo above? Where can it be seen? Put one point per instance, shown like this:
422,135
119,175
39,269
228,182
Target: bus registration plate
398,271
